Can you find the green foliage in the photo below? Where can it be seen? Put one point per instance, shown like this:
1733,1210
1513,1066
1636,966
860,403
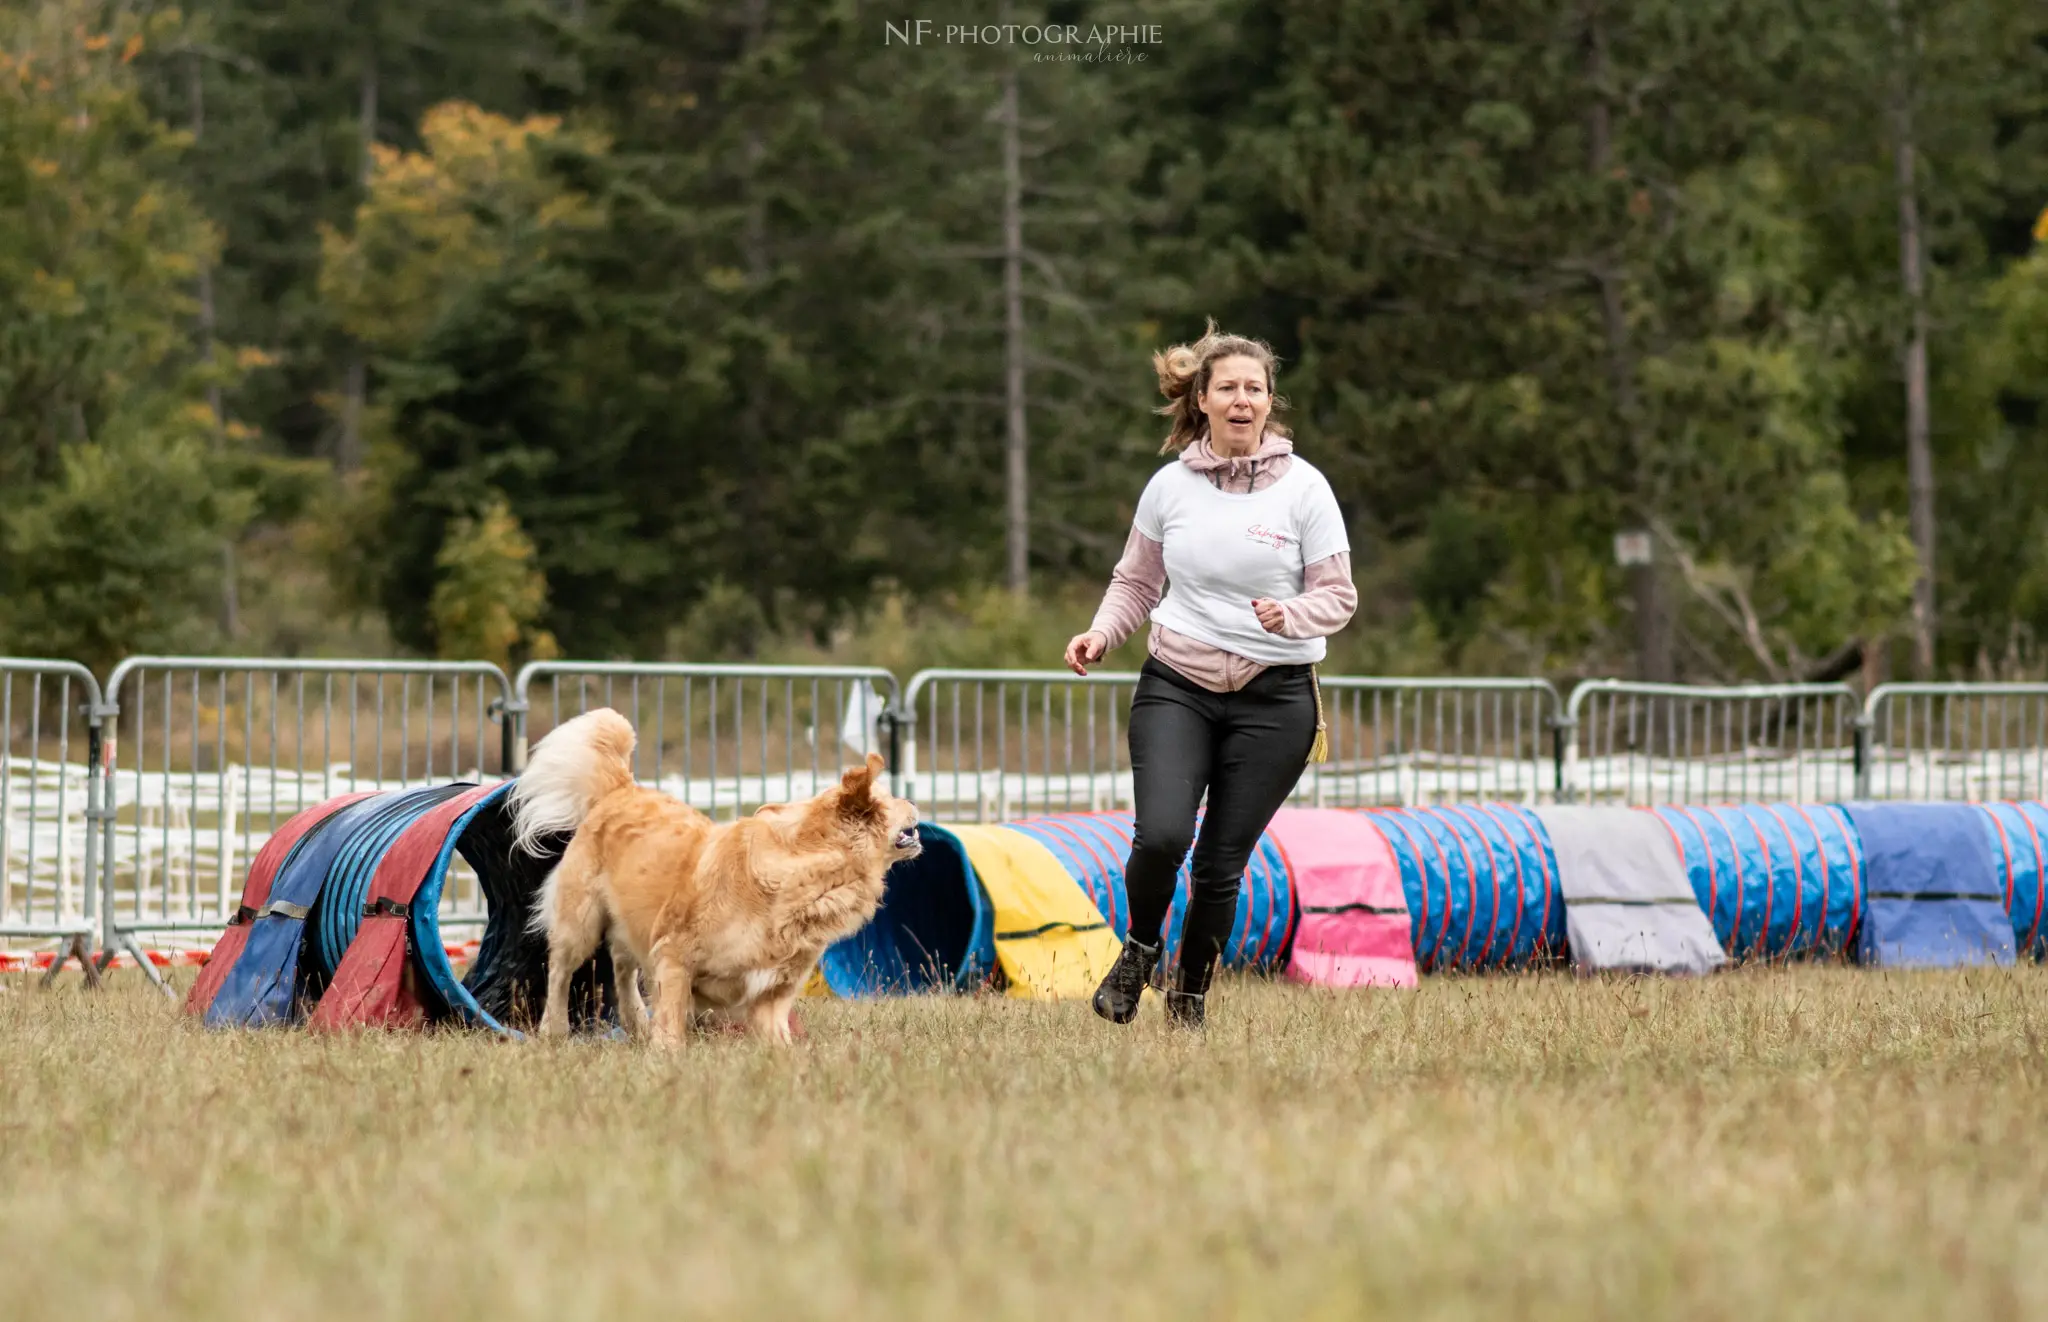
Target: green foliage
121,554
1999,555
1465,552
97,250
490,594
118,485
474,203
1583,307
1836,576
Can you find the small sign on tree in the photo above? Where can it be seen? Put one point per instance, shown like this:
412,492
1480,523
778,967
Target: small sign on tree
1632,547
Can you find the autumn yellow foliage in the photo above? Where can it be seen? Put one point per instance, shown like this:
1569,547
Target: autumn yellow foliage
477,200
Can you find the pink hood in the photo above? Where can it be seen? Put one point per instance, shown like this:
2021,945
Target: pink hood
1201,456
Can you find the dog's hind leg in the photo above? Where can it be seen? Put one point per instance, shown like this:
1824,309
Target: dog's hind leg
576,923
626,980
672,1000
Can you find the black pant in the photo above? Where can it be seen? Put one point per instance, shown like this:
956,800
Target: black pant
1247,750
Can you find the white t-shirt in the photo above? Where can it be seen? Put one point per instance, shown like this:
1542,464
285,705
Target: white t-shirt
1225,549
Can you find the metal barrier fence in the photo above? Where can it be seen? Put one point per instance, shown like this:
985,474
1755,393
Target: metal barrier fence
207,755
1956,741
49,800
724,739
1669,743
138,808
1412,742
992,745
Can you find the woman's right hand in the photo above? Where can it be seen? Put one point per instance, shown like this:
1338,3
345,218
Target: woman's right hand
1085,650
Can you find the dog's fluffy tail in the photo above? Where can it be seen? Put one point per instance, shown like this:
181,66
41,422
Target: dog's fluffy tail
571,770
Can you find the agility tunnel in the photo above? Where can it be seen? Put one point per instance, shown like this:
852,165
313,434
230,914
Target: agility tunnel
1352,925
1934,886
1628,904
2017,831
980,902
1480,882
1377,896
935,930
339,924
1038,904
1778,880
1329,896
1094,848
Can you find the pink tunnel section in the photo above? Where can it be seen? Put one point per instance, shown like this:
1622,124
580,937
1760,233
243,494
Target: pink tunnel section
1352,926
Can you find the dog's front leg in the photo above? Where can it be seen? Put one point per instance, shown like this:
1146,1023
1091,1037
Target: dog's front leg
672,1000
769,1017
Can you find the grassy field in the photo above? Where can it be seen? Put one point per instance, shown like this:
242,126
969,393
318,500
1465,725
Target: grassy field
1813,1143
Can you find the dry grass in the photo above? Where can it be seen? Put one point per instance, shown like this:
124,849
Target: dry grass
1814,1143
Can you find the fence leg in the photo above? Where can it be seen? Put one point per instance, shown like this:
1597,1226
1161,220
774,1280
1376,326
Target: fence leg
102,810
1564,743
76,946
124,940
512,737
900,738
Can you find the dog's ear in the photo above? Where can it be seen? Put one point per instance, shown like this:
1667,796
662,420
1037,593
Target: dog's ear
857,789
861,780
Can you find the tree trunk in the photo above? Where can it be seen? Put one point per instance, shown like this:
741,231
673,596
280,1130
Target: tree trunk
1913,358
1875,664
755,238
1653,636
230,605
348,455
757,496
1016,473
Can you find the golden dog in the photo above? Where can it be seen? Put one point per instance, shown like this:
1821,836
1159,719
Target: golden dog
727,917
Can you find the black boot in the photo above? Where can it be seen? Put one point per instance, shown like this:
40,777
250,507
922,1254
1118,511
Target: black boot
1187,1002
1117,998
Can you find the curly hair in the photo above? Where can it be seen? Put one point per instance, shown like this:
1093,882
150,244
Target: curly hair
1184,375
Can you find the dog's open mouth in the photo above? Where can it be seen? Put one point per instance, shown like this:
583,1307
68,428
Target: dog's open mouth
906,838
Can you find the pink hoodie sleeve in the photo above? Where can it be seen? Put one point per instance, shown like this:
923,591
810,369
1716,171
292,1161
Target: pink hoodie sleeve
1327,599
1135,587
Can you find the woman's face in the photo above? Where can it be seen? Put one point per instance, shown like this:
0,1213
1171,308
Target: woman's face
1236,403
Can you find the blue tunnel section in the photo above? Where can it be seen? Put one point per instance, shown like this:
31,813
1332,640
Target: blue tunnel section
1779,881
1095,848
935,930
1481,884
1935,887
338,914
2019,838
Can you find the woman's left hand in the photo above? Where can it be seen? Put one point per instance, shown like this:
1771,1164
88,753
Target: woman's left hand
1271,617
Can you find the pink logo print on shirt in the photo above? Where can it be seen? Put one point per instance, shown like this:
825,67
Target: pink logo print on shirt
1272,537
